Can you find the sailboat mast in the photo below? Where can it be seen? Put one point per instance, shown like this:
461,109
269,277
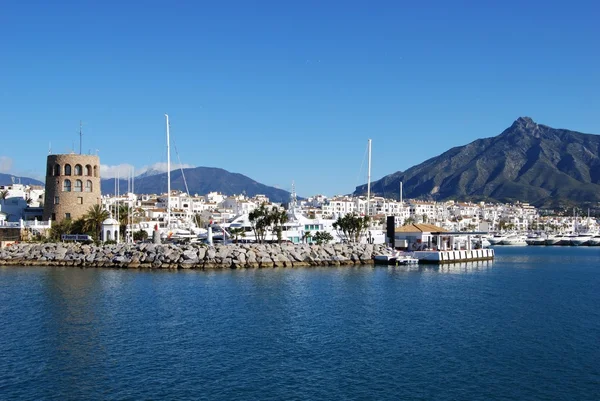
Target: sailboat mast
369,180
168,174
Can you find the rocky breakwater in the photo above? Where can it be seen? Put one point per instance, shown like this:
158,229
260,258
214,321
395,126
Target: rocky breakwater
169,256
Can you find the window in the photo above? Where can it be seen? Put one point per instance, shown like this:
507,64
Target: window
78,186
57,170
88,170
80,200
88,186
67,169
67,186
68,216
53,216
78,169
56,200
95,171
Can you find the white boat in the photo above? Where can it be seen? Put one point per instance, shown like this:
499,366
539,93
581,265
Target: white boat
594,241
581,239
514,240
538,239
496,239
553,239
395,257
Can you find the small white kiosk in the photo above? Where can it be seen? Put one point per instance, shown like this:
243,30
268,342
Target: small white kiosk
110,230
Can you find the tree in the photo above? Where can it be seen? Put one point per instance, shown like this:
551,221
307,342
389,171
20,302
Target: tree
323,237
278,218
198,220
3,194
140,235
93,219
352,226
306,237
237,232
123,212
59,229
260,221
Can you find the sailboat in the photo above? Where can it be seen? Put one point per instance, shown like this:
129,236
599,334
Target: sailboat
373,236
170,228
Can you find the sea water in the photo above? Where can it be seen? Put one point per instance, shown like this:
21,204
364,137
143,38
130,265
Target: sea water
525,326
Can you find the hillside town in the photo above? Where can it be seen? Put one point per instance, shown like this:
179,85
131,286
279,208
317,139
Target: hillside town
187,215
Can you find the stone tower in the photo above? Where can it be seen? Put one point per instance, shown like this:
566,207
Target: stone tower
72,186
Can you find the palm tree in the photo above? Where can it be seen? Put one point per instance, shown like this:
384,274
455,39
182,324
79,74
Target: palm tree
198,220
123,212
237,232
278,218
94,218
306,236
58,229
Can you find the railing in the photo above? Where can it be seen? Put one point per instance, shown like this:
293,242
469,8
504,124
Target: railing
26,224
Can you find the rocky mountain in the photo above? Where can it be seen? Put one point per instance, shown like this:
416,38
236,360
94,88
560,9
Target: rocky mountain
200,180
8,179
528,162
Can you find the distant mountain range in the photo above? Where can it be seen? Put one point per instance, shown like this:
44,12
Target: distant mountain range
528,162
8,179
200,180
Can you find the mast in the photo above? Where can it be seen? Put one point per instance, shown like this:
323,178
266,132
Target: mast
168,174
369,181
401,203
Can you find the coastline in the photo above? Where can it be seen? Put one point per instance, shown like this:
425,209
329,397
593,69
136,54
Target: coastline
196,256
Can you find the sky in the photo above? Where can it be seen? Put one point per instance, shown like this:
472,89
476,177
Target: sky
287,91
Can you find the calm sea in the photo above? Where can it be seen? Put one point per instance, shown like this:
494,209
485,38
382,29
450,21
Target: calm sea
524,327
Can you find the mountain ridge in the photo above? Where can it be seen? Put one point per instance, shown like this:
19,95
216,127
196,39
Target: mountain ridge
6,179
200,180
528,162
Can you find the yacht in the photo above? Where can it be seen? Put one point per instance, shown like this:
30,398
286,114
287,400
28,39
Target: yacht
496,239
536,240
594,241
553,239
515,239
581,239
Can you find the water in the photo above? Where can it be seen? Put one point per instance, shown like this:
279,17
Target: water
526,326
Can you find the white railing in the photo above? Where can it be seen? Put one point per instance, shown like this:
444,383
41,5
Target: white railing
26,224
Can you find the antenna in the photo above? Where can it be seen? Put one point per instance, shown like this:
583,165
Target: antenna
80,135
49,148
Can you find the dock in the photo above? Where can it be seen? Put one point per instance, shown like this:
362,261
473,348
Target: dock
440,257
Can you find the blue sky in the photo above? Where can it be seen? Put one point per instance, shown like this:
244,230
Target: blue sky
286,91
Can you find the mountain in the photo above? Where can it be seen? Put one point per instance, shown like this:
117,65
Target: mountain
528,162
200,180
7,179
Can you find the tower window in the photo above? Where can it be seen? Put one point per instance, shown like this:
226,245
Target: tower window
57,170
88,186
56,200
88,170
78,186
67,186
67,169
78,169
